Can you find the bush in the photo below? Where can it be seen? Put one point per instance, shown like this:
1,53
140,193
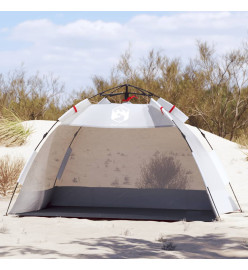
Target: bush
9,173
211,89
33,97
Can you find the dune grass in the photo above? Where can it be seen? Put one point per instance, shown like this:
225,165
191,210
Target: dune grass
9,173
12,131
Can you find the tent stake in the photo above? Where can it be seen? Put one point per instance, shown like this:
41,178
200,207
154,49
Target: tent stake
236,198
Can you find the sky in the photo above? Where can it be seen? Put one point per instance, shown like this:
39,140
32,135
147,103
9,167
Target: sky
77,45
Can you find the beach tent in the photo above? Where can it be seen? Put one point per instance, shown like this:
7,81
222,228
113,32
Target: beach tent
124,161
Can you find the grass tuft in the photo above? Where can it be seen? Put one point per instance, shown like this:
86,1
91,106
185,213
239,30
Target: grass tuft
169,246
9,173
166,244
12,131
161,238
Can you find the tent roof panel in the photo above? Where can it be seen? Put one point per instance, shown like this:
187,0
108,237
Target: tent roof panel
126,115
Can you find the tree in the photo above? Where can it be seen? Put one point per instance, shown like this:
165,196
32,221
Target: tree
30,98
223,103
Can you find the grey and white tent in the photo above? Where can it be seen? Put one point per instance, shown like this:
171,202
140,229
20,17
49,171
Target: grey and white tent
124,161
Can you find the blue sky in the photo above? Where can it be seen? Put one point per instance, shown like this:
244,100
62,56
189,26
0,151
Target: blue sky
77,45
11,18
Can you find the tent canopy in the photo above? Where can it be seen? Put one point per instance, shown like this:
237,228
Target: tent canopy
128,161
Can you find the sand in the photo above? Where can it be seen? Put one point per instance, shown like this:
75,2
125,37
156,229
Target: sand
37,237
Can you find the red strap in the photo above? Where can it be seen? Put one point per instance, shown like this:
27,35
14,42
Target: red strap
125,100
75,109
172,108
161,109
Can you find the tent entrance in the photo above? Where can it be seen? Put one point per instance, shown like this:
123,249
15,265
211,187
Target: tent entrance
132,173
114,172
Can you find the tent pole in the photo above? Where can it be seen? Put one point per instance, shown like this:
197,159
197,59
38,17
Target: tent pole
44,136
11,199
182,135
143,90
100,94
236,198
204,136
213,203
126,93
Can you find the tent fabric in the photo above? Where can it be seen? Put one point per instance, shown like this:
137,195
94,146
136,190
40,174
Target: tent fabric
208,169
122,160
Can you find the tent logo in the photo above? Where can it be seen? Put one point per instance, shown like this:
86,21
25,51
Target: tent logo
120,114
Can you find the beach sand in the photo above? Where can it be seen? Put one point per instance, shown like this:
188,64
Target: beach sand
38,237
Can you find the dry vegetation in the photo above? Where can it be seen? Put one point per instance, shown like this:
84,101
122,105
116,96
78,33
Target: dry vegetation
9,173
211,89
12,131
242,140
30,98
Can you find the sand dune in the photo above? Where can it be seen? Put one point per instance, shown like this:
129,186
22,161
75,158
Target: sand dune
35,237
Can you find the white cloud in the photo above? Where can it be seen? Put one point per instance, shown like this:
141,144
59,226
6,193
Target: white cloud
80,49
